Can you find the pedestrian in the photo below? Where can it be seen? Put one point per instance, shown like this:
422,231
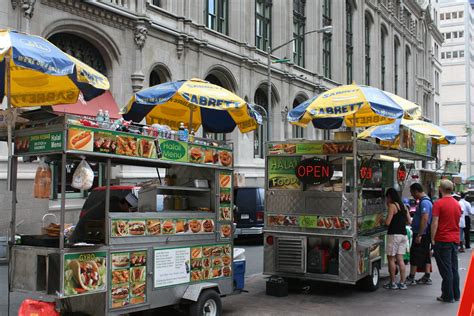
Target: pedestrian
420,253
462,223
468,211
445,238
397,239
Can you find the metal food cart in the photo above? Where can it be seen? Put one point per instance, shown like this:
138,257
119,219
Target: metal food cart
163,254
325,212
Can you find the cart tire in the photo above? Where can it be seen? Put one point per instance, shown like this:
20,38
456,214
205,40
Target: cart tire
208,304
371,282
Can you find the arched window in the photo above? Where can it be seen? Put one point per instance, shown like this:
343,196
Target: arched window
349,41
327,39
383,46
158,75
260,134
81,49
297,131
367,30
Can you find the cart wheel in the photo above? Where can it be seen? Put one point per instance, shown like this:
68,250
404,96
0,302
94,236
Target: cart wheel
208,304
371,282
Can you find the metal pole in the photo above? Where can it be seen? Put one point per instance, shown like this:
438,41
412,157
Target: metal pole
269,91
61,220
108,173
467,59
9,118
13,170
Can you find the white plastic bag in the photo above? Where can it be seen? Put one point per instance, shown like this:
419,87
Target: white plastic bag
83,177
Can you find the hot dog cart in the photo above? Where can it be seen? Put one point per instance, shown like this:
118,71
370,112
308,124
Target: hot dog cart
325,214
176,248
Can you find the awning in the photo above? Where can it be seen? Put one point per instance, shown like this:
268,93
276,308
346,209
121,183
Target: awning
90,108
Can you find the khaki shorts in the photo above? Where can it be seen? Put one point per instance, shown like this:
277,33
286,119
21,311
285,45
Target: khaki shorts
396,245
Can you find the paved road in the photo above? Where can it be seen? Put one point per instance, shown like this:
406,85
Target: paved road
321,299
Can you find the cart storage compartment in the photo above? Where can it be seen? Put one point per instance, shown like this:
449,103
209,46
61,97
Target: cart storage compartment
318,260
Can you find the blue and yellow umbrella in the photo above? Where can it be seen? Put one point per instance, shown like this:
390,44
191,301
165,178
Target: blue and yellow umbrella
391,132
192,102
41,74
368,105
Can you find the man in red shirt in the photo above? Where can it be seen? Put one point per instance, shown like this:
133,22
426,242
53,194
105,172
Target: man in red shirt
445,239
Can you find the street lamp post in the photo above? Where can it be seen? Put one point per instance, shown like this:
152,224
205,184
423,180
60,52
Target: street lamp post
326,29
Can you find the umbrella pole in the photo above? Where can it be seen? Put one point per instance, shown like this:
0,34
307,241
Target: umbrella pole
190,126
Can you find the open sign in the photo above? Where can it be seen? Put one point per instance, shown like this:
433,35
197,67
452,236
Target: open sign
314,171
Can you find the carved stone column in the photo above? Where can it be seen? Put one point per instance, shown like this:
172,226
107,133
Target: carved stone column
140,35
27,9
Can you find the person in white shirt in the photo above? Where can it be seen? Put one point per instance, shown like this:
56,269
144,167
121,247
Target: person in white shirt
468,211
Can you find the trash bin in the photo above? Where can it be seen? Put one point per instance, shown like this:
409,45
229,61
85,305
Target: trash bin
239,268
3,246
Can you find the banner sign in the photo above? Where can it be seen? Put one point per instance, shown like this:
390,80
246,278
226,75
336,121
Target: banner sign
415,142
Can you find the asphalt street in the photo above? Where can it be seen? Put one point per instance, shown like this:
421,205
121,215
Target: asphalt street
319,299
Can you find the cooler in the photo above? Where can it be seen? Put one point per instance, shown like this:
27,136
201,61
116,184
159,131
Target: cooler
239,268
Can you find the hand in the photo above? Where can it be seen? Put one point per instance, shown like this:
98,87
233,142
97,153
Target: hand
418,239
432,242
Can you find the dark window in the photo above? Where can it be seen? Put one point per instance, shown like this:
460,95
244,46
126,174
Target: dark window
260,133
297,131
441,17
327,39
442,55
298,31
396,47
263,24
407,70
349,42
461,14
217,15
367,50
81,49
382,57
156,3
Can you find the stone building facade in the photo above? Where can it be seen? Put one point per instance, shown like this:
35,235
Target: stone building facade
383,43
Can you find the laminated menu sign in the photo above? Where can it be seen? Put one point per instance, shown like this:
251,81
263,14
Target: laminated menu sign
110,142
85,273
211,262
124,227
174,150
128,278
309,221
281,173
39,143
172,267
210,155
225,196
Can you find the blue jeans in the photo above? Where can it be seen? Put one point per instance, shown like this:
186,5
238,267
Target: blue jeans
446,255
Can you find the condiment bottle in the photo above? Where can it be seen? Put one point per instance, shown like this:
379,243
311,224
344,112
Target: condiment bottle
181,131
106,119
100,117
191,136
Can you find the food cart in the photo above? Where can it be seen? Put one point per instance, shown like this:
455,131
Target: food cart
175,249
325,214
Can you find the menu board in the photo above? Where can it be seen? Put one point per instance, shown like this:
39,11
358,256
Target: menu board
172,267
281,173
313,148
39,143
124,227
209,155
105,141
370,222
175,266
309,221
225,205
415,142
84,273
128,278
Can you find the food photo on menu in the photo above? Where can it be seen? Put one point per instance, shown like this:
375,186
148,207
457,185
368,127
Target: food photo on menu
128,278
210,262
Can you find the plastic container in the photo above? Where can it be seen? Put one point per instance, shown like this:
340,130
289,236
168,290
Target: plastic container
239,274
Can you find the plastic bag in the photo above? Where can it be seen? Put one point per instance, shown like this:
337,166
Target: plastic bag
42,186
31,307
83,177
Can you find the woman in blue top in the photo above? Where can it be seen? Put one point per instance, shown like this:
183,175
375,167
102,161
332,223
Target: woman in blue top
397,239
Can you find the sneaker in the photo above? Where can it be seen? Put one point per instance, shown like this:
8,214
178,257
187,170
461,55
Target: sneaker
424,280
390,286
402,286
410,281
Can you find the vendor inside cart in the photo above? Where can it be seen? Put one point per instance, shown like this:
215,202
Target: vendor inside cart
90,227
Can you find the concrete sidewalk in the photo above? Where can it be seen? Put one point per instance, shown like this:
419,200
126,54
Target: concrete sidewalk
322,299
